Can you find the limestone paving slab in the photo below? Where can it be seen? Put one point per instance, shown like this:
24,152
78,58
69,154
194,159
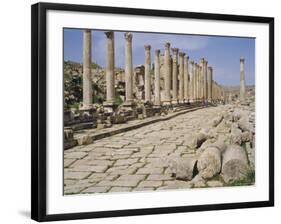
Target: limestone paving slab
135,160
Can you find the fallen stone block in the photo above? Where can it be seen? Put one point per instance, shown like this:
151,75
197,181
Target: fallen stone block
236,136
68,141
245,125
209,162
183,168
234,163
215,122
85,140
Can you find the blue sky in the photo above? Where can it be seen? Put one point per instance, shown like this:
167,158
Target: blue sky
222,53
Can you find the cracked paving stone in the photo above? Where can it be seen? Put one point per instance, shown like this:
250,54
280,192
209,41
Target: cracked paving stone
150,171
96,189
132,177
96,169
75,155
120,189
143,189
150,183
159,177
76,175
119,183
122,162
68,162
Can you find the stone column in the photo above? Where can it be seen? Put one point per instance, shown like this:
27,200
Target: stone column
167,77
181,77
197,81
157,99
204,81
128,69
175,75
147,78
110,76
194,82
87,76
186,79
191,83
210,82
242,80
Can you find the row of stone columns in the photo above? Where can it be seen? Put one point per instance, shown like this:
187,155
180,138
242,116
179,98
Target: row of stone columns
186,84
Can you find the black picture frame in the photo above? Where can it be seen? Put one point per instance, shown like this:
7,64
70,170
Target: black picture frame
38,108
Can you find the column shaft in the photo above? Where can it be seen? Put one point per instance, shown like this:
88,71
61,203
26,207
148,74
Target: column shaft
175,74
167,77
147,78
242,80
87,79
210,82
157,101
191,83
110,76
128,68
181,77
186,79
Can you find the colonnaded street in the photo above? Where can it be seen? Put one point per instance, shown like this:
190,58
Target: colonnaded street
138,160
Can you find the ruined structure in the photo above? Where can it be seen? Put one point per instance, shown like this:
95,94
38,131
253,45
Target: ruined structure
170,83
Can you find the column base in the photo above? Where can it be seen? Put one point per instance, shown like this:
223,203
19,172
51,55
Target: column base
87,107
166,103
109,106
129,104
174,102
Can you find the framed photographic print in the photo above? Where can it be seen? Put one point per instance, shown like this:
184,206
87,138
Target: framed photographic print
139,111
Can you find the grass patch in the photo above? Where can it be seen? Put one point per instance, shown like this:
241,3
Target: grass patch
249,179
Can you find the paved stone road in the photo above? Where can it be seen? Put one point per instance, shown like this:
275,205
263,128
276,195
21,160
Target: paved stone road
135,160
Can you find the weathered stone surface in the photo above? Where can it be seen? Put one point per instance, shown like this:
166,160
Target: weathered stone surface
150,183
198,181
96,189
214,183
195,141
159,177
150,171
236,136
120,189
74,155
183,168
136,159
129,177
123,162
215,122
234,163
209,162
76,175
85,140
68,162
97,169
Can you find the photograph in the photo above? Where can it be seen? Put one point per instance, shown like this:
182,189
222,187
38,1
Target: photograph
153,111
